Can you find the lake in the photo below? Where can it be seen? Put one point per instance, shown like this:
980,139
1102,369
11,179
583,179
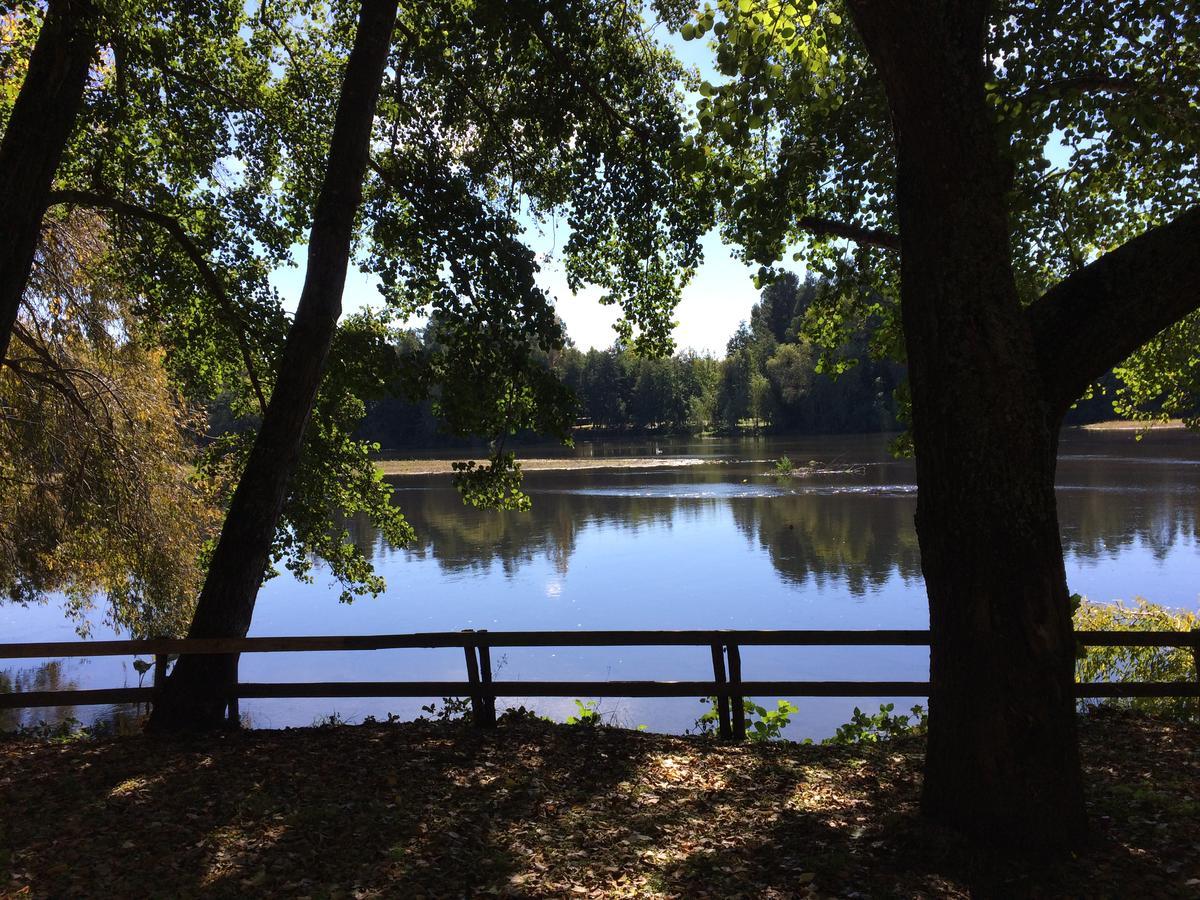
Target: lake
719,544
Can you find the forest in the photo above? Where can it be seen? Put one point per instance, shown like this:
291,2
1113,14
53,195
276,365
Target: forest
779,375
774,377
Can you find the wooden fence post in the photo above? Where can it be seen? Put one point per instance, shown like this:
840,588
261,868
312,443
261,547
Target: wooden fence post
738,702
232,711
718,661
485,676
473,677
1196,661
160,672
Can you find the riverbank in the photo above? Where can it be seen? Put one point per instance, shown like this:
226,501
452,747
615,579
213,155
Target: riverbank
1126,425
540,810
398,467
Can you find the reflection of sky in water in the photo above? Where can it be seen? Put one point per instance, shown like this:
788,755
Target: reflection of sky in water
723,545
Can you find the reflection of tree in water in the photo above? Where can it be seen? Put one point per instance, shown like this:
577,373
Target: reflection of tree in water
123,718
48,676
463,539
1106,505
863,540
860,539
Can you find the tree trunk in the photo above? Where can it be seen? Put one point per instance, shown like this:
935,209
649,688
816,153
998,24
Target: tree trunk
1003,760
197,692
41,122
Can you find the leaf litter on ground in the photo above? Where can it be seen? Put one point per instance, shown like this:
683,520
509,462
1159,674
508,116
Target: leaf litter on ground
541,810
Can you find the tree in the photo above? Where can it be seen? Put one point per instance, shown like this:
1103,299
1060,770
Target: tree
193,117
40,122
99,493
197,691
449,175
904,144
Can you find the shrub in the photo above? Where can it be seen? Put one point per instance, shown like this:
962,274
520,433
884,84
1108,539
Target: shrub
762,724
1137,663
883,725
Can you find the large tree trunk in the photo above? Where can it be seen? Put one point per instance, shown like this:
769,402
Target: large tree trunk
1003,758
41,122
197,692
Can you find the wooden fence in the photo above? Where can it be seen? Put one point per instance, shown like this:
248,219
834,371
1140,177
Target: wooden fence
727,684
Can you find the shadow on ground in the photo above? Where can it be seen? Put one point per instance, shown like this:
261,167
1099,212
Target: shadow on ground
533,809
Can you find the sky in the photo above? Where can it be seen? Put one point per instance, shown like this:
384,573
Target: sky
713,304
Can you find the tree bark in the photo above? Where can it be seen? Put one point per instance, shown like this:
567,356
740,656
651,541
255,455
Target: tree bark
197,693
1002,760
41,122
1096,317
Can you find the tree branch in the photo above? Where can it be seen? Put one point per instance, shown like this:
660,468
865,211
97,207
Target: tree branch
173,227
874,237
1096,82
1095,318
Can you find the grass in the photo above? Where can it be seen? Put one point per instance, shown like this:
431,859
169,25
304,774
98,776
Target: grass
542,810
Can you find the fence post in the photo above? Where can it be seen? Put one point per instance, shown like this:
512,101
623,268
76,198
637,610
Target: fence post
485,676
233,715
735,681
160,672
718,660
473,677
1196,661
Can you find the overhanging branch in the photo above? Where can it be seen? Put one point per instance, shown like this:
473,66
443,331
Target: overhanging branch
1095,318
873,237
1093,83
179,234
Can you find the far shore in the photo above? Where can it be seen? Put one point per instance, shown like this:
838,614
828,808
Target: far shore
1127,425
544,464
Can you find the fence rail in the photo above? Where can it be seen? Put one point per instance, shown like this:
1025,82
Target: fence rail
727,684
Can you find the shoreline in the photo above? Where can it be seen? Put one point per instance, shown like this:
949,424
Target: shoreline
1129,425
404,467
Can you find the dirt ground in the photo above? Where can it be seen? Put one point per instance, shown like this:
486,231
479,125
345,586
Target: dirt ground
541,810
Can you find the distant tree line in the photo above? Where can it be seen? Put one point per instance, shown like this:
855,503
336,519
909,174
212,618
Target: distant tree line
772,378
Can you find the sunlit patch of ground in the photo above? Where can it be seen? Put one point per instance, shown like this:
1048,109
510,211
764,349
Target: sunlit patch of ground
539,810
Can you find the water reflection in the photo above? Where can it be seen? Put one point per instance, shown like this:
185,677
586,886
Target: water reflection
851,539
852,528
47,676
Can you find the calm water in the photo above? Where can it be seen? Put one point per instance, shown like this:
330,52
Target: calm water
718,545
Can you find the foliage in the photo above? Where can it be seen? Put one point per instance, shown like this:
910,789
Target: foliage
202,141
784,465
99,487
1099,129
781,382
767,725
587,715
762,724
331,720
1137,663
453,709
881,726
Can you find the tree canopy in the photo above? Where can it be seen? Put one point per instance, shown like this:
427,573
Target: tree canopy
200,142
1096,107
